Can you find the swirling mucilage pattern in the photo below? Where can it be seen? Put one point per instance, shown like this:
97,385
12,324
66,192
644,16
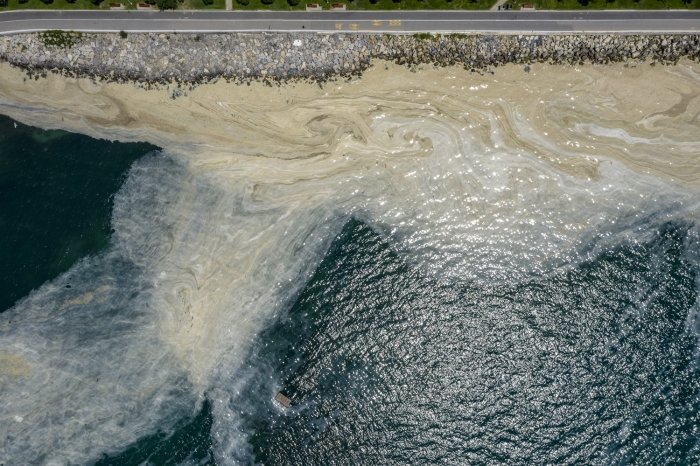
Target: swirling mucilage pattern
471,178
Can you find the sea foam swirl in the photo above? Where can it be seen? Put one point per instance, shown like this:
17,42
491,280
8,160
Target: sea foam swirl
471,178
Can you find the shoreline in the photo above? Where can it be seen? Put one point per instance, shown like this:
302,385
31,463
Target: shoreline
276,58
196,123
499,177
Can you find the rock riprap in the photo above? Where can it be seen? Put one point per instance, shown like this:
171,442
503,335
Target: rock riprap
193,58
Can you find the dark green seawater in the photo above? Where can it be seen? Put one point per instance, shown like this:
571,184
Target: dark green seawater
189,444
56,193
595,363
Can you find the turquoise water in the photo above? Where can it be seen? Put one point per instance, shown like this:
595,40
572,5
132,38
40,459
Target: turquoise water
593,363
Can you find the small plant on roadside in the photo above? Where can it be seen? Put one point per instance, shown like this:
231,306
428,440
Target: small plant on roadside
123,34
62,39
424,36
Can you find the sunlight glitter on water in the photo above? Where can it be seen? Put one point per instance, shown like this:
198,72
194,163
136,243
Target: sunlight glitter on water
217,236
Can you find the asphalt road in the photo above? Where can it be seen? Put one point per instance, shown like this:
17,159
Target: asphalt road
354,21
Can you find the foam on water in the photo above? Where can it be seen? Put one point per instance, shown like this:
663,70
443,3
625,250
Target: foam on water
216,236
92,367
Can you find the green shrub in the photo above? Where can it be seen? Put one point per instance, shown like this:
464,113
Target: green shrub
3,2
267,2
123,34
208,2
243,2
166,4
293,2
22,1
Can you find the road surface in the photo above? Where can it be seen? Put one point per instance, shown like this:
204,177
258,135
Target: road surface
511,22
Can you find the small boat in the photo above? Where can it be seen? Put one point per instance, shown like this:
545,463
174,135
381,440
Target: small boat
282,399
